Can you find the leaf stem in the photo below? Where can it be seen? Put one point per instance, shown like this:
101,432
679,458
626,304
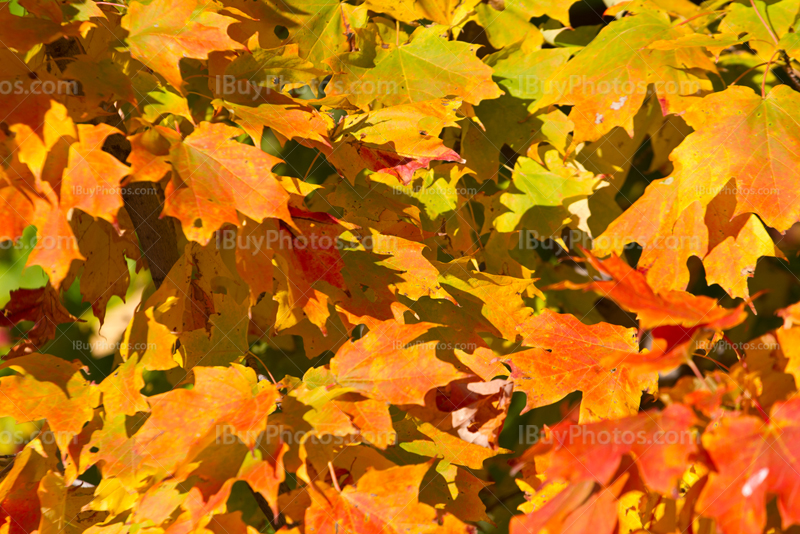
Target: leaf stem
693,17
333,477
719,364
697,372
254,355
66,58
313,161
653,512
733,346
761,411
199,94
742,75
743,361
501,501
766,71
764,22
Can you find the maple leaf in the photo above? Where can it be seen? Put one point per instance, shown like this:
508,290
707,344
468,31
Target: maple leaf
697,213
370,208
715,43
540,198
102,81
324,29
221,397
151,341
186,299
745,239
626,73
628,288
14,225
272,69
160,33
751,460
762,177
438,444
263,470
227,340
383,500
507,24
253,263
213,174
676,319
577,453
731,246
512,62
746,18
483,362
42,306
56,247
396,140
23,33
499,298
105,271
386,364
305,262
315,249
458,489
39,152
765,372
470,409
418,277
340,412
573,510
287,118
19,489
370,417
350,414
47,387
121,390
569,357
431,68
318,29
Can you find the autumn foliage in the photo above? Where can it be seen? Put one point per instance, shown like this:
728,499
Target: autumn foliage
399,266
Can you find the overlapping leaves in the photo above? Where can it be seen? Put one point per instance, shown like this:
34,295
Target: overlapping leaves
396,194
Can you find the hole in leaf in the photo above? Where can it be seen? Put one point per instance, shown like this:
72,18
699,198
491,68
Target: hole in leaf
281,32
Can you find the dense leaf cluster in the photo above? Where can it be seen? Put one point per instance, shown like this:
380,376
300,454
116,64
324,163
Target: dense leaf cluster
330,266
